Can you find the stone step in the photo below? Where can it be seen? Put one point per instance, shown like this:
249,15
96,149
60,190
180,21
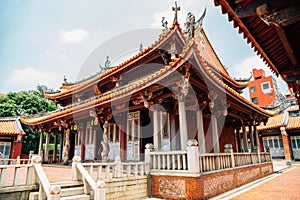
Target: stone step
137,194
124,188
71,191
68,184
65,192
76,197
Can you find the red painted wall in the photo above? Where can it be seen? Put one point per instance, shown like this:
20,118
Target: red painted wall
16,149
226,136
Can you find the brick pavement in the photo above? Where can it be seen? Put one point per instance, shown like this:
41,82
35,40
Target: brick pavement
285,186
58,173
54,174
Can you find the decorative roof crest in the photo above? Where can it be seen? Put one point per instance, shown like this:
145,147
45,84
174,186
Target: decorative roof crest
164,24
191,25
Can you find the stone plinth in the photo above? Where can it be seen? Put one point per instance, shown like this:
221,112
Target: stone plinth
207,185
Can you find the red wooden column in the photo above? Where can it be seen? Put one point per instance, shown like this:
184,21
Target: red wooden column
286,144
82,133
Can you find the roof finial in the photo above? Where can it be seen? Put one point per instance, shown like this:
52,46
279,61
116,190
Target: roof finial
176,9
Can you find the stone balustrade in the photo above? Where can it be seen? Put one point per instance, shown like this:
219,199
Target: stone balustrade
10,175
18,161
169,160
34,174
211,161
186,161
115,170
95,176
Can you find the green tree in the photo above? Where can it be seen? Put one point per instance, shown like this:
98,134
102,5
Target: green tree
26,102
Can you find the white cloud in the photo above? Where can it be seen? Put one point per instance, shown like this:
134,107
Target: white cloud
74,36
30,77
243,69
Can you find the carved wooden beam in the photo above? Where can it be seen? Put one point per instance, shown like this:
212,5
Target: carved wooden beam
282,9
249,9
282,17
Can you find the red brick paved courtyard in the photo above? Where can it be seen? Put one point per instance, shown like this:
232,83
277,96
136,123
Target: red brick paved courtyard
285,186
58,174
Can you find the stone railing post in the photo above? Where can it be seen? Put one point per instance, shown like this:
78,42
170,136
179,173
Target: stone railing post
228,149
99,192
118,166
76,176
54,191
193,156
18,160
30,154
268,150
149,148
41,154
32,176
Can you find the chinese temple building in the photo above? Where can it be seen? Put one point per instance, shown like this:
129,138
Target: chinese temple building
11,133
174,94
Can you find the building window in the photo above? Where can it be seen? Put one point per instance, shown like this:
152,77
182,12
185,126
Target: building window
266,86
5,149
254,100
253,89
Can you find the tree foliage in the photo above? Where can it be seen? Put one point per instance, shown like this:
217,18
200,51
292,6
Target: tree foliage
22,103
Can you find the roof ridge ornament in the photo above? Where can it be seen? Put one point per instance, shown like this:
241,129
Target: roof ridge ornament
200,20
65,80
191,25
107,65
175,9
164,24
141,47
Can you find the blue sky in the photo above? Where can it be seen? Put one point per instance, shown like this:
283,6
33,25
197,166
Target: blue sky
41,41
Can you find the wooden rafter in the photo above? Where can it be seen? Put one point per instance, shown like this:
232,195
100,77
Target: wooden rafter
281,33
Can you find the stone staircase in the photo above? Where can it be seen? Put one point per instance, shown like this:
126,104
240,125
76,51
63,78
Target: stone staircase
72,190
